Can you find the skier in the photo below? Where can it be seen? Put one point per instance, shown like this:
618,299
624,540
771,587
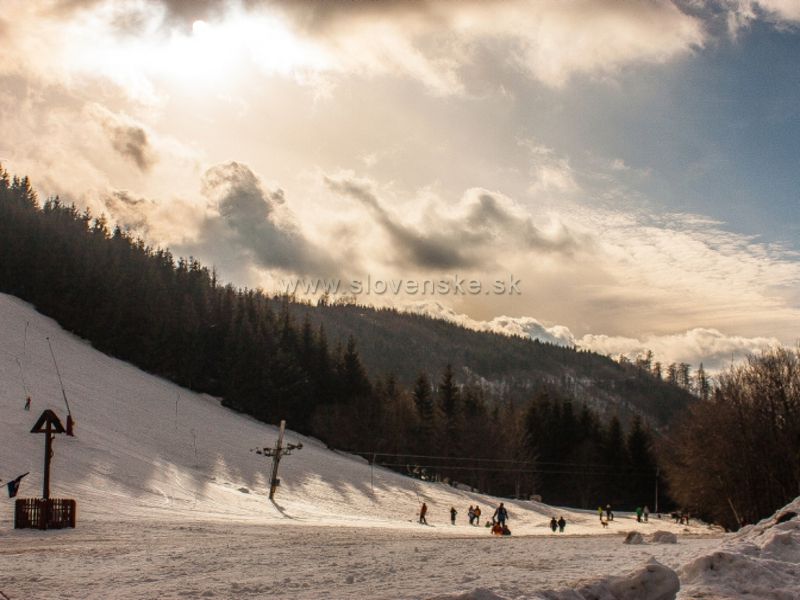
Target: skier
639,514
471,515
500,515
422,512
646,513
561,524
453,513
553,524
477,515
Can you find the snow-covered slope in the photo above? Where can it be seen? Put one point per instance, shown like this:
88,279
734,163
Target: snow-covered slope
144,446
172,503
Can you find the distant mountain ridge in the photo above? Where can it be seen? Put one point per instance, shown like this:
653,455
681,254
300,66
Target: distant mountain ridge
404,344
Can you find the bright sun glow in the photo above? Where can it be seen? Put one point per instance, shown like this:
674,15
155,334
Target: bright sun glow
210,53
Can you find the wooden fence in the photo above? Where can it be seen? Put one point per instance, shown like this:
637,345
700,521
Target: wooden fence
39,513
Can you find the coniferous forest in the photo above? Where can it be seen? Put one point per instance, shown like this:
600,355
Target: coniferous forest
171,317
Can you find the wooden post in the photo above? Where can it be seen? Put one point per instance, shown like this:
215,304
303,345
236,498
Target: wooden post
276,459
49,425
48,454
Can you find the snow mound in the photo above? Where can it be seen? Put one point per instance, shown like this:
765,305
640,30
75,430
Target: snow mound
664,537
653,581
760,561
633,537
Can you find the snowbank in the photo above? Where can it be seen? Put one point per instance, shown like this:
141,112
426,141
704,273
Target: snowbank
633,537
664,537
654,581
760,561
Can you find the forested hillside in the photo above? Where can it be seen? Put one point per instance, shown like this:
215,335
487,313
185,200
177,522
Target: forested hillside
405,343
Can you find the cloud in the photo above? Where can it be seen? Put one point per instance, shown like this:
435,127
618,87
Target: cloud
711,347
474,233
129,211
251,225
551,41
126,135
552,174
418,249
431,42
519,326
131,142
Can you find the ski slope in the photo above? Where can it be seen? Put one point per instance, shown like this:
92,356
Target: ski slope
145,447
172,503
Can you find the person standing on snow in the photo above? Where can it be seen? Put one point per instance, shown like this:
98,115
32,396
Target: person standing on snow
477,515
639,514
600,512
422,512
561,524
500,515
609,514
453,513
646,513
471,515
553,524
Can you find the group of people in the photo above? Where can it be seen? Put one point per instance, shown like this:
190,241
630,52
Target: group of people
681,517
498,525
609,515
642,514
558,525
499,517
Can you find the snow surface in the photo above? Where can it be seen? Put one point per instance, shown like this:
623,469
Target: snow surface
172,503
759,561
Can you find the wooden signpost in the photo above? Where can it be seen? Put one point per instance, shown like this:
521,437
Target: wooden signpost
45,512
48,424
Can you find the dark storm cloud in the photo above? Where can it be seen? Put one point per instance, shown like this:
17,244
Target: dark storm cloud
131,142
471,240
248,219
418,249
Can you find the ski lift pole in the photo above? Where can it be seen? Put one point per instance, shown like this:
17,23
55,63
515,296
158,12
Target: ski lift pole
276,459
63,391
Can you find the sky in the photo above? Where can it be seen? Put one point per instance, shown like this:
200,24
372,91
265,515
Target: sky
631,166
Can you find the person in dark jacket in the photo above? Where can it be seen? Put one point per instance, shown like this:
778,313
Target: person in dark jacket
553,524
500,515
453,513
561,524
422,512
